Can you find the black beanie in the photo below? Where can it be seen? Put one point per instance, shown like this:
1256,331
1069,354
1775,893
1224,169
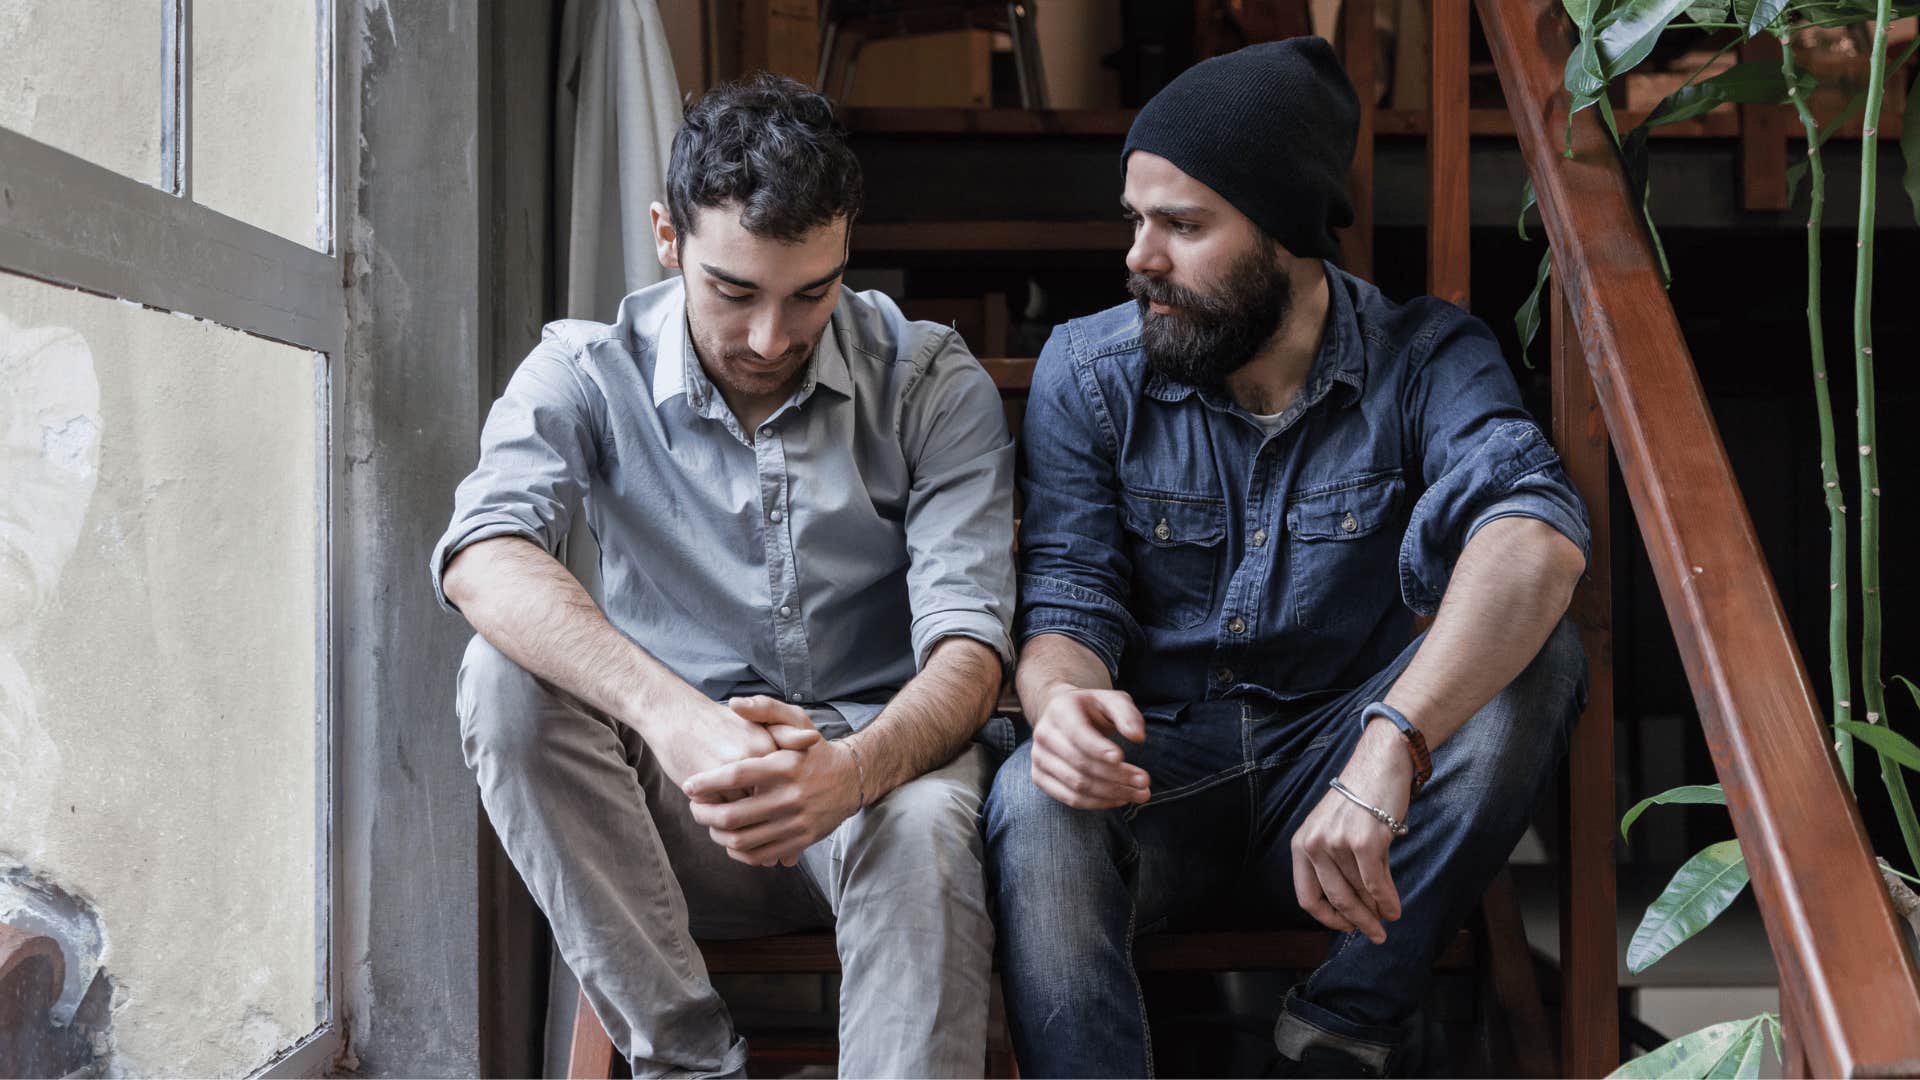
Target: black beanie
1270,128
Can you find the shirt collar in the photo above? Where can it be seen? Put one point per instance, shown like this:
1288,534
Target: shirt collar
1342,359
677,370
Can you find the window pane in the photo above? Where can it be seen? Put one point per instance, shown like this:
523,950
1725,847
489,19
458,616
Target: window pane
160,544
84,75
255,136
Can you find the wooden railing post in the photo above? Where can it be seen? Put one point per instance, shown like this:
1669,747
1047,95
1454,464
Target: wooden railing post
1449,207
1357,47
1589,986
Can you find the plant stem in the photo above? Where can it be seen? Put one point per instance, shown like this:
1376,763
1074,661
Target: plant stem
1838,664
1874,693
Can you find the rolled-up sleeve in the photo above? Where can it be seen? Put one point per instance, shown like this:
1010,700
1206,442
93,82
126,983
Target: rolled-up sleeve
536,452
1482,458
1074,571
959,519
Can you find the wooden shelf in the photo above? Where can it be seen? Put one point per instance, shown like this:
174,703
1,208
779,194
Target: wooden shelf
1722,123
1010,373
1111,235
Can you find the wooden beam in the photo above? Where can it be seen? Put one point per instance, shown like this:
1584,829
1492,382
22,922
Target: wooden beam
1828,918
1763,138
781,36
1357,47
1114,235
1449,211
1589,944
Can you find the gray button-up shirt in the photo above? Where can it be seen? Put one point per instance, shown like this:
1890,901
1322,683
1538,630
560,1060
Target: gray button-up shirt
819,560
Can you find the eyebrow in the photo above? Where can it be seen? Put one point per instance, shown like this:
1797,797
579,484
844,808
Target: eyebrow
742,283
1171,211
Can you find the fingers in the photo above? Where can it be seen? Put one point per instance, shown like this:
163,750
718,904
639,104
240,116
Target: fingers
1088,751
743,774
765,709
788,737
1311,897
1079,790
765,843
1376,880
1345,898
1124,715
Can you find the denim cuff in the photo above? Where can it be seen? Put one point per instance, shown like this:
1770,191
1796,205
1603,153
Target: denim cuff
1052,606
1303,1024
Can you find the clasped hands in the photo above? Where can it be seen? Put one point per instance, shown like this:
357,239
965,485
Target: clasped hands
760,777
1340,869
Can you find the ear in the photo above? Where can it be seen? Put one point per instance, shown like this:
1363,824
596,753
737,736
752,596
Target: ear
665,241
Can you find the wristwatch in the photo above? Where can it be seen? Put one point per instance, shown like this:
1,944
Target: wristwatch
1416,742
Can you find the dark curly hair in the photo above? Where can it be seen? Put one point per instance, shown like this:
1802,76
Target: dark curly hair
773,147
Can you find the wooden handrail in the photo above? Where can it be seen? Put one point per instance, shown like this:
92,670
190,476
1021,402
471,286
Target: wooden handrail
1851,994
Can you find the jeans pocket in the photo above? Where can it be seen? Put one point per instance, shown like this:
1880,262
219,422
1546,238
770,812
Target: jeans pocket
1175,544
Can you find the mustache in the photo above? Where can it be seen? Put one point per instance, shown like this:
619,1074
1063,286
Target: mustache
795,352
1160,290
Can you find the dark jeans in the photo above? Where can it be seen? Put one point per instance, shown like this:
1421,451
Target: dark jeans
1232,780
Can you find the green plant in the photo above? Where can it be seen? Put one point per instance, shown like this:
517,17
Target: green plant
1614,37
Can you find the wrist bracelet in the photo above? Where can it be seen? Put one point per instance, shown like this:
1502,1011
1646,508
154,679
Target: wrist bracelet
1394,825
1416,742
859,768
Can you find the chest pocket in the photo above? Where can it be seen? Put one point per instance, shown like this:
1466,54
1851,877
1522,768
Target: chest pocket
1345,552
1175,545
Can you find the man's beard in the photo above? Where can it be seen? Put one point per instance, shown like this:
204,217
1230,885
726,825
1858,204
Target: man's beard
1209,336
738,371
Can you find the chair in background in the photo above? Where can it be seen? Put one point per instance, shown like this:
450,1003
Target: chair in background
847,25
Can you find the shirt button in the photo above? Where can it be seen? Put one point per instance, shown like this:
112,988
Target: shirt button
1237,625
775,514
793,695
1162,530
1223,676
1348,524
785,611
1260,538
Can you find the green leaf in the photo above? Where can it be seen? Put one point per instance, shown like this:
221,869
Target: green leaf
1742,1059
1751,83
1686,795
1526,321
1757,14
1910,147
1911,689
1695,897
1627,33
1527,201
1711,11
1890,743
1700,1053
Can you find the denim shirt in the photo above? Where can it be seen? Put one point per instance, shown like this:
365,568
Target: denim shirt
1200,557
819,558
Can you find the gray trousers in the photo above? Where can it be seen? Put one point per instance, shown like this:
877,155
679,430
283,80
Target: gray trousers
612,855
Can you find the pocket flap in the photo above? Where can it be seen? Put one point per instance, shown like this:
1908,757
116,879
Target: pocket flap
1168,521
1350,510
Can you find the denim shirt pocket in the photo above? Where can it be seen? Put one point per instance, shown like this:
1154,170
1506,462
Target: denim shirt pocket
1344,552
1174,542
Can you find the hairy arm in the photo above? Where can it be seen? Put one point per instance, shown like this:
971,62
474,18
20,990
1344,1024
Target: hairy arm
1510,587
932,717
524,602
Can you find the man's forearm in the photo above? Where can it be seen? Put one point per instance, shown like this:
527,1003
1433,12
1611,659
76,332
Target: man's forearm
931,717
1509,589
524,602
1053,662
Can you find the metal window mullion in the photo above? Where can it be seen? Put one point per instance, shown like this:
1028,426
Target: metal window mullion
72,222
176,99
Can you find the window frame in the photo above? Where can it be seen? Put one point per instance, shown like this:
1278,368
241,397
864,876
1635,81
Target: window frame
68,222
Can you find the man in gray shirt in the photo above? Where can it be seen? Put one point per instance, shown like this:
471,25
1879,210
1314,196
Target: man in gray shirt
804,507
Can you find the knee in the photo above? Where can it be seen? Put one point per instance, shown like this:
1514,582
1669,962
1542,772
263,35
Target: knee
1555,683
1030,834
499,704
938,815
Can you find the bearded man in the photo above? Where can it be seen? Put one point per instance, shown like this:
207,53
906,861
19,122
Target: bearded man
1239,490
